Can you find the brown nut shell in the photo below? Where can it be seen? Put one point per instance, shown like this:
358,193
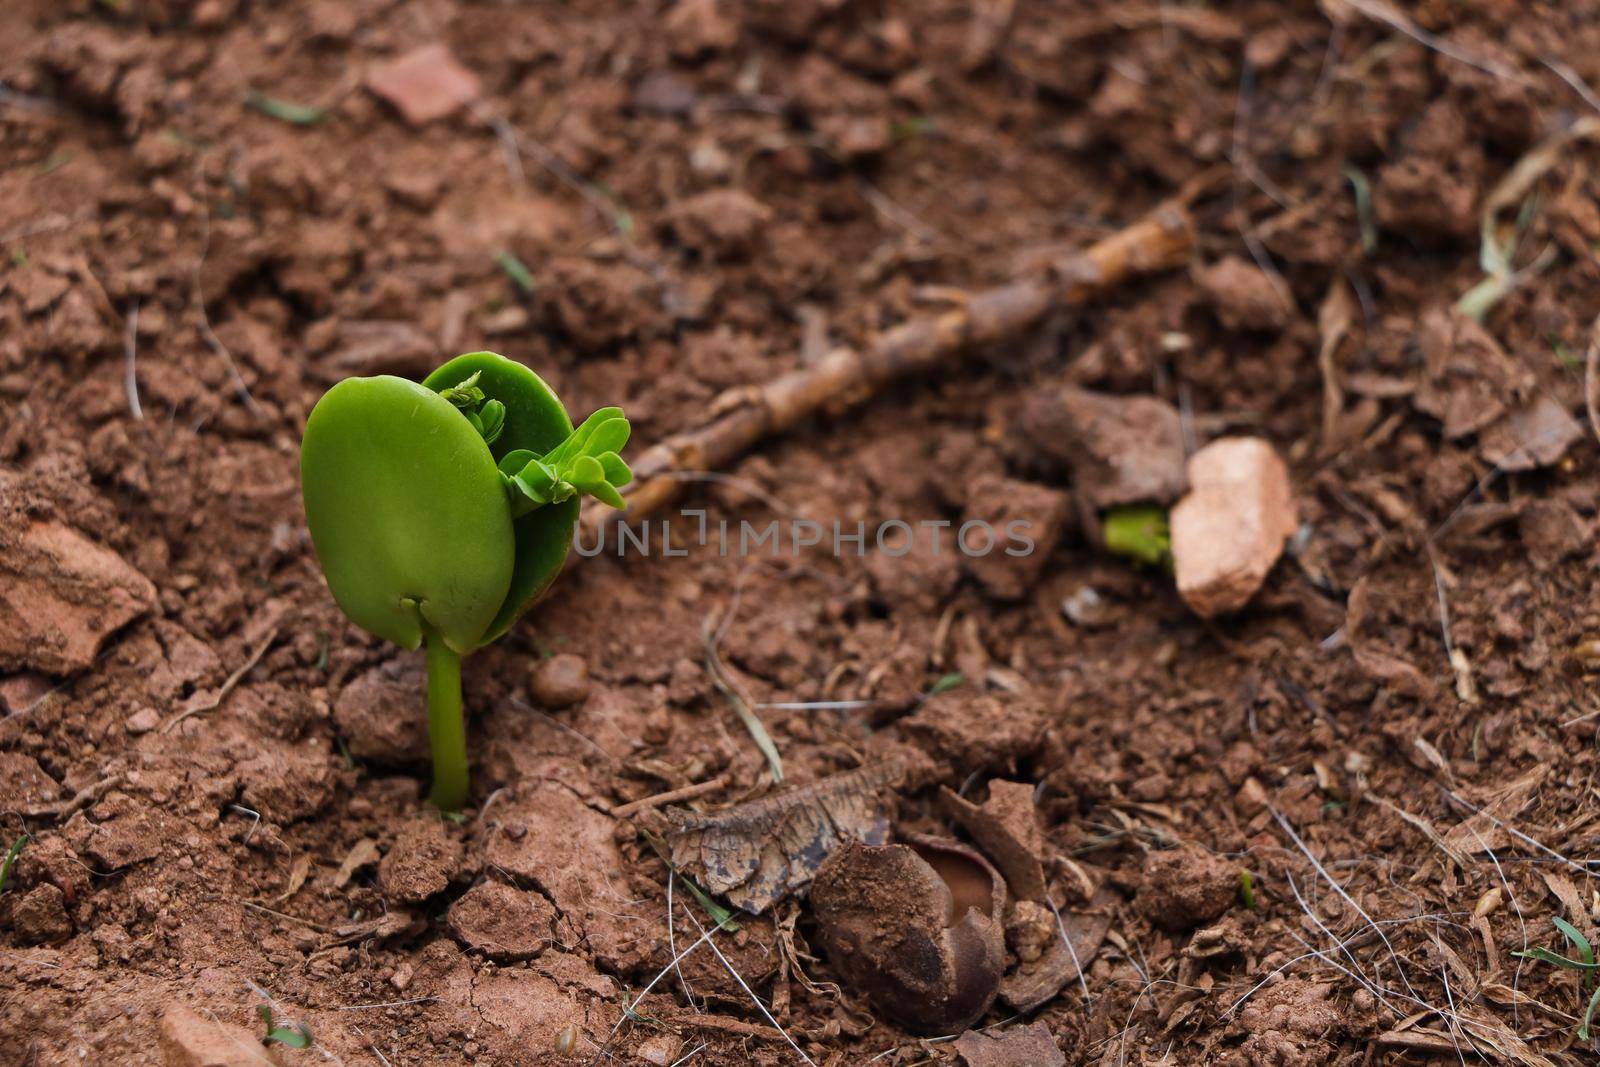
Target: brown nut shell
916,927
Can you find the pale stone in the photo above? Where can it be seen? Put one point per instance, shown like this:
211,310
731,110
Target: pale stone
1230,528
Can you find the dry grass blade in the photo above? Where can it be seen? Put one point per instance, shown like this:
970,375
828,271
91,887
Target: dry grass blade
1345,896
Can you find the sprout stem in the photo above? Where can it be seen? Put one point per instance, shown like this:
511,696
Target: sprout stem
447,729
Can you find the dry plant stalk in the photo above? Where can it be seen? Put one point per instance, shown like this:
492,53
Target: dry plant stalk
742,417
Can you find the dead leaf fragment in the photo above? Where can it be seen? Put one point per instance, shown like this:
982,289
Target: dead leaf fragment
297,877
1006,827
1537,435
1020,1046
1033,984
756,853
363,853
425,84
1485,831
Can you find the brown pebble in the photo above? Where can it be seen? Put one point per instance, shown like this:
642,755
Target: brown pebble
560,681
142,721
41,916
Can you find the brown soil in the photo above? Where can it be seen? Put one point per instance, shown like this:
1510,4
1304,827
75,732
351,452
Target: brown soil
709,192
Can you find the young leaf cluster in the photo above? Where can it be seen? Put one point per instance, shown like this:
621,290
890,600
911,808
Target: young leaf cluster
586,462
488,417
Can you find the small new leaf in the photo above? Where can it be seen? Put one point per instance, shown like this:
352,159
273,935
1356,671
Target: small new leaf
295,1035
465,394
11,858
1140,532
491,421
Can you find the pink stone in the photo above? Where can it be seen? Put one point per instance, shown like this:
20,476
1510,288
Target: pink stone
1230,528
424,84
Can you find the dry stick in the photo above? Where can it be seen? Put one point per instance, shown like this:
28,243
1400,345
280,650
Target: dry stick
688,792
741,417
227,687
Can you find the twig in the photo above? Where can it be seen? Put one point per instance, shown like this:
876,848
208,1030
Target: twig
308,924
387,1004
227,687
81,799
130,360
688,792
743,416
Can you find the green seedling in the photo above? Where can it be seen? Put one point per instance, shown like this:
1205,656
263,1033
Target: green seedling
295,1035
285,110
442,511
1247,889
11,858
1586,964
1141,532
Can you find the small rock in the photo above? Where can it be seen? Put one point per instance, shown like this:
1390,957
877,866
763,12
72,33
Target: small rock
420,862
1245,297
721,223
1085,607
1120,449
1009,531
560,681
1231,527
383,714
1187,886
417,189
664,93
1020,1046
697,27
61,596
662,1050
970,730
41,916
1251,800
189,1039
503,922
24,784
1551,531
142,721
123,841
21,691
285,783
425,84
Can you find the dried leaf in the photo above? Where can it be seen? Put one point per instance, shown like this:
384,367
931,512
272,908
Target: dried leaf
1033,984
297,877
1483,831
363,853
1006,827
757,853
1020,1046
